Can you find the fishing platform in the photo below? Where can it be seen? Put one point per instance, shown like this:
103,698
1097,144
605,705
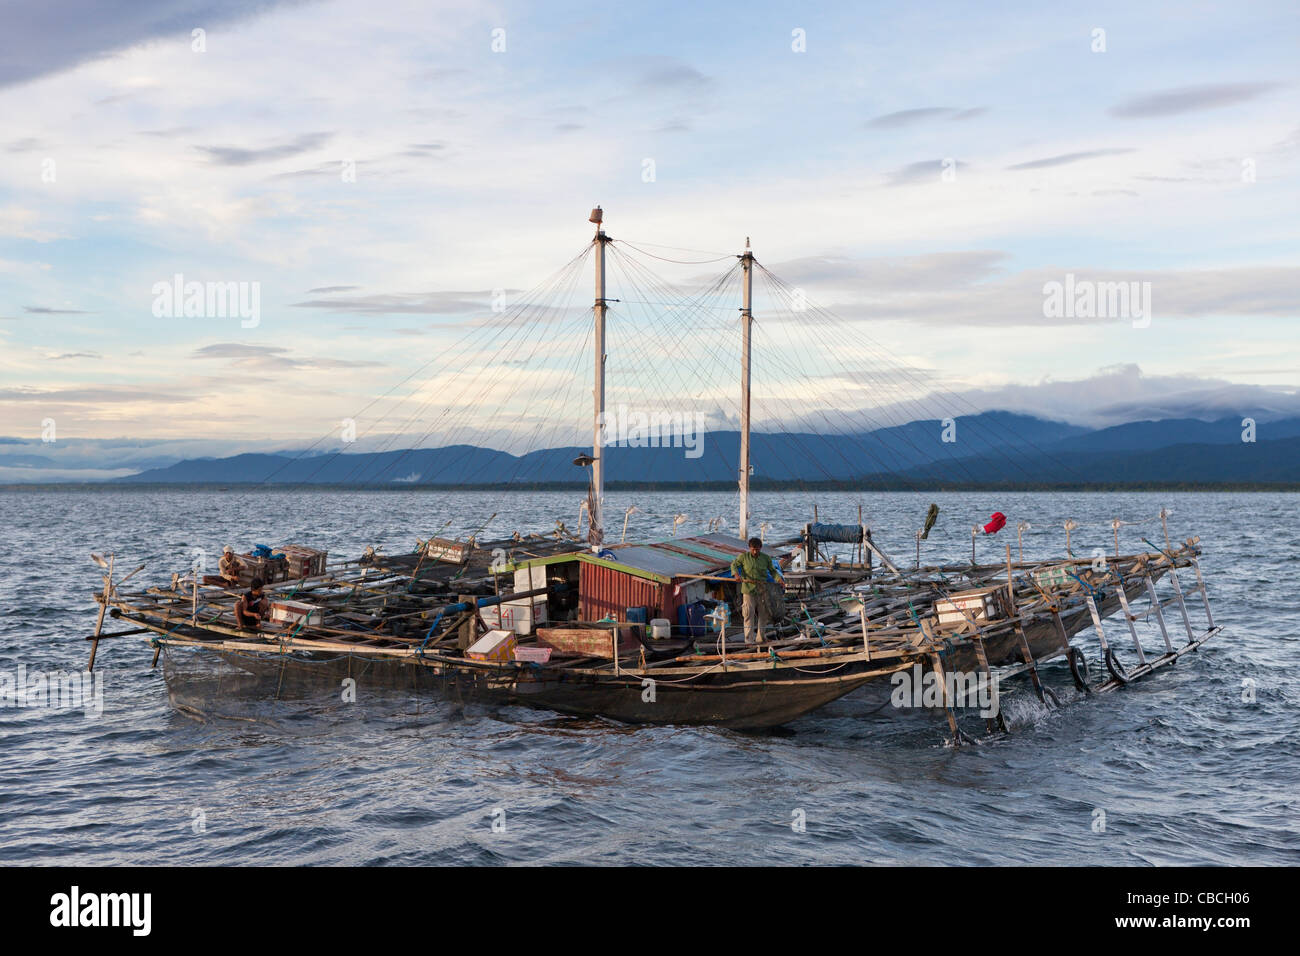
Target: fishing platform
645,631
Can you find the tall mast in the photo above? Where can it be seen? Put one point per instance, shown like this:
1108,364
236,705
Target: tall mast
747,322
596,521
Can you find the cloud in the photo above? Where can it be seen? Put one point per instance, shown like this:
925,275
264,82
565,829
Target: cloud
1112,395
1123,393
74,355
171,133
235,156
437,303
235,350
20,475
664,82
273,357
329,289
925,171
1187,99
911,117
1066,158
43,310
55,35
18,222
674,75
897,273
91,395
331,169
971,289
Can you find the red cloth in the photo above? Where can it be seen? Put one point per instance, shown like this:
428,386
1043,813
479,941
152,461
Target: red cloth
997,521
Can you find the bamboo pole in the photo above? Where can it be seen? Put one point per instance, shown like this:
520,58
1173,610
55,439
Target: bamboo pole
1011,580
103,609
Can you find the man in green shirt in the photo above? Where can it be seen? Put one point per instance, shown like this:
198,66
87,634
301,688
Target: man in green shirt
752,571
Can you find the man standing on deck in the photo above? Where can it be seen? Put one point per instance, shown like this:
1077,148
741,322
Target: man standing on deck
753,571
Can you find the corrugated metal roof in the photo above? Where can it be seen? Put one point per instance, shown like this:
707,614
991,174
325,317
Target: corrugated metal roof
674,557
663,560
660,561
722,542
542,562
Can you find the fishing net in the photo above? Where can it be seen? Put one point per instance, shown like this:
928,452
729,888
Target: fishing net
771,602
205,683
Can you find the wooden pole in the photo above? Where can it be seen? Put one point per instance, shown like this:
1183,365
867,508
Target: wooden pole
596,515
99,627
947,705
746,346
1011,582
103,609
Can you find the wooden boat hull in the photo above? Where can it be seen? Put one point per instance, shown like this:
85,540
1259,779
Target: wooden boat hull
748,704
738,699
746,691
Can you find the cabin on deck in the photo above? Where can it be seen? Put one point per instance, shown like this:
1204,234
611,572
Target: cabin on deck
635,583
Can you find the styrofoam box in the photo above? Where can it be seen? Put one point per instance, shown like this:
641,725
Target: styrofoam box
296,612
493,646
520,617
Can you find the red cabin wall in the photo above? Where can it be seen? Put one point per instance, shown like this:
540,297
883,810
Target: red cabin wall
605,591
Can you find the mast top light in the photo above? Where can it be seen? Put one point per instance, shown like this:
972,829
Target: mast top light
596,216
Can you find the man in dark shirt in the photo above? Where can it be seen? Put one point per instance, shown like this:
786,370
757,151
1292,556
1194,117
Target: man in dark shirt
251,606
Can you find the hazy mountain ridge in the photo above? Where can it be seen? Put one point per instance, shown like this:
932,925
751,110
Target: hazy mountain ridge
991,448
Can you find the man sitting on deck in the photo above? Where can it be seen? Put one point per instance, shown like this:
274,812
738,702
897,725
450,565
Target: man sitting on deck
251,606
753,570
230,566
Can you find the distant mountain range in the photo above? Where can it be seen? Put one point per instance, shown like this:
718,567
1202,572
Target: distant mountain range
990,449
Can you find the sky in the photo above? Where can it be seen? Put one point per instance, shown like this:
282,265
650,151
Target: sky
384,173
